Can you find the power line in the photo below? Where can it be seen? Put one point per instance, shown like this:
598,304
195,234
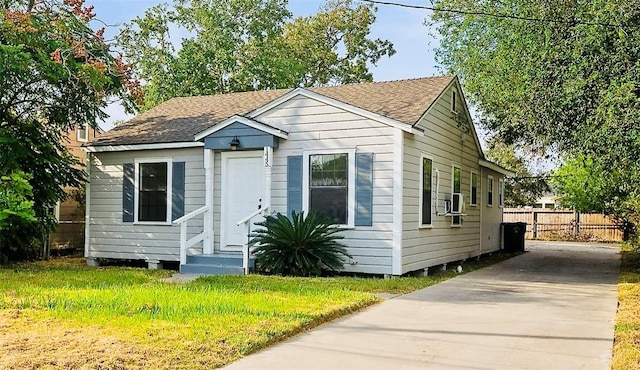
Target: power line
494,15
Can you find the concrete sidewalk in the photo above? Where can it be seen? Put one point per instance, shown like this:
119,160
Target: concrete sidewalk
550,308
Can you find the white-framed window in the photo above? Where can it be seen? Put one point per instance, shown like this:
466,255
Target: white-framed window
454,99
489,191
82,131
329,184
501,193
153,178
426,191
474,190
456,187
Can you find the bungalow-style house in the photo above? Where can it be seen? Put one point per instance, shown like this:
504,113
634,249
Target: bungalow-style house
397,164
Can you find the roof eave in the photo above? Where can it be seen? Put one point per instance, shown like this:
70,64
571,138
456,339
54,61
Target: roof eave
496,167
97,148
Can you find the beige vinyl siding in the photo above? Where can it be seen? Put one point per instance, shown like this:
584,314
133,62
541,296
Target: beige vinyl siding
313,125
491,216
448,145
109,237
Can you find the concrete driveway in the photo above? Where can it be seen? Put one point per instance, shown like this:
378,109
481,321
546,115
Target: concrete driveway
550,308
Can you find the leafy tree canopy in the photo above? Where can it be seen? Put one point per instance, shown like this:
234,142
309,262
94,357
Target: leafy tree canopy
242,45
587,185
560,76
565,82
15,195
55,73
525,188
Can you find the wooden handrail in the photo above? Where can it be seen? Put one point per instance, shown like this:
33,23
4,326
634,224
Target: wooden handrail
184,243
252,215
190,215
245,247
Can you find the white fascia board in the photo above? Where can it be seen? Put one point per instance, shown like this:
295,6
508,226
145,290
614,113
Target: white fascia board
495,167
338,104
130,147
245,121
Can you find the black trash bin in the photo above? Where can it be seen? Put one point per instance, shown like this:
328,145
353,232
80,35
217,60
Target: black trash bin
513,236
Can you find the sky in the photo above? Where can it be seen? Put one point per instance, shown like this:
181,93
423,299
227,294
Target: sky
404,27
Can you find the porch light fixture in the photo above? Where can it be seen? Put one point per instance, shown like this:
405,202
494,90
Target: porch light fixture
234,143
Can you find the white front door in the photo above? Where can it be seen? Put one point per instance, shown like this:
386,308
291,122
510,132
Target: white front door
243,189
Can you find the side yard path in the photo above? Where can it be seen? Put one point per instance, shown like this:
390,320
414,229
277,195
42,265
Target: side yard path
62,314
551,308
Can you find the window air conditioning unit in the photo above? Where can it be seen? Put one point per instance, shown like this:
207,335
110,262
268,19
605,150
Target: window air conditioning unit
453,206
447,207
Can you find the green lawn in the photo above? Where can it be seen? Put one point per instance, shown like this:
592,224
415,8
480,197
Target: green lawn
63,314
626,348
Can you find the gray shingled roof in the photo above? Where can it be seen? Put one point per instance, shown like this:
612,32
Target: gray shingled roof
180,119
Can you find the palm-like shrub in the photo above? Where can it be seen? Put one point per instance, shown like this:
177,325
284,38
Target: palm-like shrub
300,246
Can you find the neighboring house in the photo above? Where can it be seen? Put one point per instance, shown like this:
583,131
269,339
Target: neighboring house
397,164
70,213
548,201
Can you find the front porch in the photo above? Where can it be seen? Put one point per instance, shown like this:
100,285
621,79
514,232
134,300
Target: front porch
243,149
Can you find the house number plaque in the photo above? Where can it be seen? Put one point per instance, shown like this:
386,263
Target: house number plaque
268,151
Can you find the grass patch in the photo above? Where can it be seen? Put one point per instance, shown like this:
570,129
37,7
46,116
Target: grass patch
626,347
63,314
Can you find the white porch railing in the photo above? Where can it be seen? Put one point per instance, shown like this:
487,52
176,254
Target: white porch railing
246,222
184,243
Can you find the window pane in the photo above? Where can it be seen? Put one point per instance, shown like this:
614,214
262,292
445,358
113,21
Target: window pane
330,201
427,167
328,185
82,132
328,170
457,185
489,191
152,199
474,188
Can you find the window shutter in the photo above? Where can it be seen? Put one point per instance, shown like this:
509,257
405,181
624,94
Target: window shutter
364,189
294,184
128,174
177,190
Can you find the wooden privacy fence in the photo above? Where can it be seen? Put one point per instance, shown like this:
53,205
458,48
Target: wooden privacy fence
565,225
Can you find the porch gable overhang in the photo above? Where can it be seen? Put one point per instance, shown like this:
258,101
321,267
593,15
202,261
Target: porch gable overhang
249,133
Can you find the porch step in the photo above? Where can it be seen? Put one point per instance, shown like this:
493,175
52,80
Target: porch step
215,265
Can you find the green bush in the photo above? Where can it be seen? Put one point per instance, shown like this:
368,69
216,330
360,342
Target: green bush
299,246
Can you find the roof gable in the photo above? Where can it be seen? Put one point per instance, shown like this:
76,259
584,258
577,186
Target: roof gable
465,114
333,102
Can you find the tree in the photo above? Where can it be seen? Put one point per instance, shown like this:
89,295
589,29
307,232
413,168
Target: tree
243,45
15,195
587,186
524,189
312,44
55,73
560,76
